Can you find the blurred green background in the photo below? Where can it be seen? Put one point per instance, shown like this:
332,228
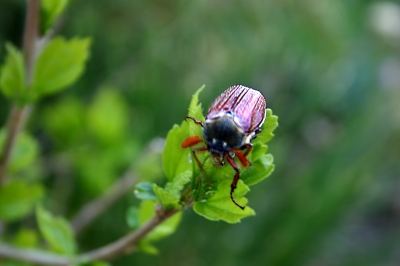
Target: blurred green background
329,69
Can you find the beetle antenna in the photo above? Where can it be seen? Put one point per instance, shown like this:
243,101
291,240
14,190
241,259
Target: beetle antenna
200,164
195,121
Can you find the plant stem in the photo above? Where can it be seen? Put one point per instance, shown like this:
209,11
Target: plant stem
91,210
18,114
125,183
123,245
126,243
34,256
31,34
15,123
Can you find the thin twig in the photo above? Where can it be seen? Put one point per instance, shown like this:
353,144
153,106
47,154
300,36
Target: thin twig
126,243
31,34
94,208
15,123
121,246
34,256
18,114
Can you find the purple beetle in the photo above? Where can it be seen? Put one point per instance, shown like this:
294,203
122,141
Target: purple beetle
232,121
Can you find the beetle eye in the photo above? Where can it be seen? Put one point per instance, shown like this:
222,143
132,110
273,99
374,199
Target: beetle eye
214,141
224,144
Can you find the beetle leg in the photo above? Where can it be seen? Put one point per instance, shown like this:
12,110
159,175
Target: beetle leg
197,158
235,179
191,141
200,164
195,121
242,157
249,147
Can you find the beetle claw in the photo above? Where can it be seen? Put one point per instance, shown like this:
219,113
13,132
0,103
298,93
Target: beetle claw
233,200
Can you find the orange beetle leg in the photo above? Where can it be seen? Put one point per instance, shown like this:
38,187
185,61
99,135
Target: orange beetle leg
191,141
249,148
242,158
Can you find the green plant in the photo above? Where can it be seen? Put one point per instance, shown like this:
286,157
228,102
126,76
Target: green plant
28,76
210,198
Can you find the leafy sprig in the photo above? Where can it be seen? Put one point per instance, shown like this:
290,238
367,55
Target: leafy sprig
209,188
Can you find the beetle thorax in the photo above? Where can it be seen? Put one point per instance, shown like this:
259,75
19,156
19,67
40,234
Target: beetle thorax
222,135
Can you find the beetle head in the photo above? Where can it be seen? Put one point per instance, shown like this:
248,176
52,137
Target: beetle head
223,134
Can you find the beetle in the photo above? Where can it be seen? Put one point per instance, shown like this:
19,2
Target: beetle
233,120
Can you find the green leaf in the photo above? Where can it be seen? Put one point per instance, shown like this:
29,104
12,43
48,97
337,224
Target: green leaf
166,228
64,121
259,170
57,232
177,160
50,10
107,117
12,74
17,199
132,217
26,238
59,65
258,151
270,124
220,207
148,248
166,199
95,263
98,169
92,263
24,154
195,111
170,196
175,187
149,166
144,191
